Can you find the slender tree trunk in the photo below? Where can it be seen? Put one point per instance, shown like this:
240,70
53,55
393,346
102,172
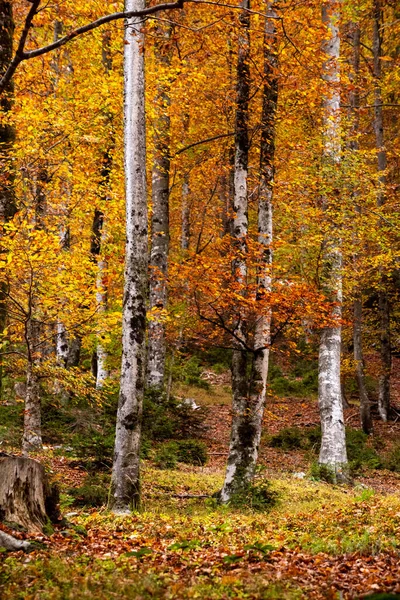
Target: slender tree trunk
156,353
354,101
383,301
185,234
100,357
333,444
125,484
365,406
62,345
32,436
262,340
7,137
249,396
185,238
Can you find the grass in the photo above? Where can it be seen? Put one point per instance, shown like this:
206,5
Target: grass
218,394
193,548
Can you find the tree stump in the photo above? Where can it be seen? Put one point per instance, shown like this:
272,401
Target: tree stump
26,498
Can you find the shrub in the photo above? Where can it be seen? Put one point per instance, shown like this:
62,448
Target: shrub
392,461
188,370
167,456
322,473
11,419
257,496
313,438
288,438
192,452
301,381
165,419
93,491
359,453
94,448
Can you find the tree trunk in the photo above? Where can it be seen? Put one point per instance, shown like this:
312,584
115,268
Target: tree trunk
156,353
125,485
26,497
262,340
32,437
383,302
249,396
185,238
100,356
7,132
365,405
354,101
7,138
240,466
333,444
185,235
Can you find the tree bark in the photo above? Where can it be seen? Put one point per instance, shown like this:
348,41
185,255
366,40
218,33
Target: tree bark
240,466
101,370
7,131
125,484
156,354
249,396
262,341
185,194
100,357
333,444
32,436
7,137
354,101
26,497
383,301
365,405
32,433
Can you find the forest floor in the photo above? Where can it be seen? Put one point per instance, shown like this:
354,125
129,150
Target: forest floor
318,541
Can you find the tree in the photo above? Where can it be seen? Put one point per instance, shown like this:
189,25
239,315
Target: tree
125,485
100,357
156,353
249,395
7,137
333,444
383,300
354,110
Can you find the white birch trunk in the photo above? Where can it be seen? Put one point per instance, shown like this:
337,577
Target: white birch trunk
156,353
125,484
333,444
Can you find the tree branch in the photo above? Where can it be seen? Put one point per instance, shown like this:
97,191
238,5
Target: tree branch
21,55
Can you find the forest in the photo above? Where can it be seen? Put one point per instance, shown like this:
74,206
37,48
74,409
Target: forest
199,299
